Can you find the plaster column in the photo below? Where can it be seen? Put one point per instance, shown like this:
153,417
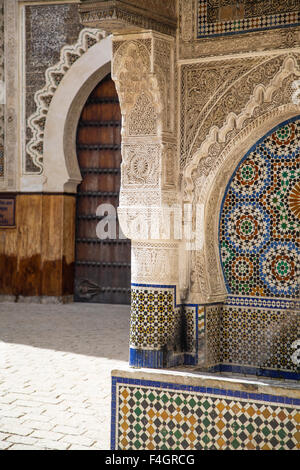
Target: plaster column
143,68
144,73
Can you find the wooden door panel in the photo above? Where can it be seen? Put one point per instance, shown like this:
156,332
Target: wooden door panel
95,252
102,267
106,159
102,111
88,205
101,135
109,182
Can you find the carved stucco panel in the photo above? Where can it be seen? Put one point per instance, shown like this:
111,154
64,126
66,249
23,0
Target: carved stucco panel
131,71
140,166
213,93
156,263
2,89
53,77
9,181
267,94
268,105
142,119
187,21
143,70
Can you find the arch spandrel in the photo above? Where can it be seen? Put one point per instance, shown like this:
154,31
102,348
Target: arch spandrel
207,282
206,176
63,116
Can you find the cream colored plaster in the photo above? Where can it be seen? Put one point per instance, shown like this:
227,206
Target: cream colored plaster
60,160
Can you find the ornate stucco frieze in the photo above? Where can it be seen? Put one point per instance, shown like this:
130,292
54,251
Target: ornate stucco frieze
201,34
144,72
266,101
122,15
53,76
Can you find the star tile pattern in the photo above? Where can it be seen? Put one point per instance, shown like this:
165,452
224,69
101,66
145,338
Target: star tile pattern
253,336
165,416
259,337
227,17
157,321
259,224
155,318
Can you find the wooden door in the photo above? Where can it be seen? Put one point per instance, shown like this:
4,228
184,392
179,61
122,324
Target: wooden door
102,267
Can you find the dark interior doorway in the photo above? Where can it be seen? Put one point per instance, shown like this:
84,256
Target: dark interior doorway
102,266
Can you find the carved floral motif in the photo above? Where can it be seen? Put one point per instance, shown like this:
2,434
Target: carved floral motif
54,75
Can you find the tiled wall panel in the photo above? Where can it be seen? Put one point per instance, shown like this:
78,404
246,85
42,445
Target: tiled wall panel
157,415
227,17
259,224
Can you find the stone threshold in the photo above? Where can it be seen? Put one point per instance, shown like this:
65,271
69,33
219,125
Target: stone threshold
196,378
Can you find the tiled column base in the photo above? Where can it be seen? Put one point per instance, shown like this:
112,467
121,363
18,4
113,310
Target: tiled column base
181,411
155,327
164,333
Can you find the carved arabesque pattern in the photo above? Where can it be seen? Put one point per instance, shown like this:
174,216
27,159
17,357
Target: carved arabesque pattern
54,75
143,118
215,92
140,165
154,263
143,70
265,97
131,72
214,165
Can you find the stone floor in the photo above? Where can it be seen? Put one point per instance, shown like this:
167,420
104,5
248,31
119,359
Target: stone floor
55,364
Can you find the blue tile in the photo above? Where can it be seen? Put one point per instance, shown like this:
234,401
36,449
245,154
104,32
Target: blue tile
265,397
280,399
254,396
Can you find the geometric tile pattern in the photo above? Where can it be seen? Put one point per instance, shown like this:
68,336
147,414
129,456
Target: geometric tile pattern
212,334
190,326
260,222
253,336
227,17
259,337
201,335
263,302
155,320
164,416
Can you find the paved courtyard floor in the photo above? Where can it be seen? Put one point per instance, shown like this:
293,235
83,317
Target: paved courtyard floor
55,365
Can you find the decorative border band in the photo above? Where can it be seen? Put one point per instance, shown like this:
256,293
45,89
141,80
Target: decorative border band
242,25
256,371
261,302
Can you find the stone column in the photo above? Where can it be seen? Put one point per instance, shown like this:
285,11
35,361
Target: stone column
143,68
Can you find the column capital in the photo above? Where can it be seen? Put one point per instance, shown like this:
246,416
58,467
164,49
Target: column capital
130,15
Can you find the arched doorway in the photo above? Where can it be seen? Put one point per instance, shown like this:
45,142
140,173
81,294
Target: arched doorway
102,266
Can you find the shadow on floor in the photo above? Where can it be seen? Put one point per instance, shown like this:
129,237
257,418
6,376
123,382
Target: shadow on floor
98,330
